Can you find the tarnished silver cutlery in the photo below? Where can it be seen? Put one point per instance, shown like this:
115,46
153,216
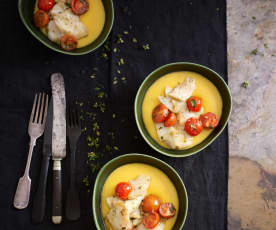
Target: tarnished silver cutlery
72,210
35,130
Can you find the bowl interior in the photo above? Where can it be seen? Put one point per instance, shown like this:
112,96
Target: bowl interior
139,158
26,9
174,67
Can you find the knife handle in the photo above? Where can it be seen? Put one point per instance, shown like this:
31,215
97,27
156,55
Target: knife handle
57,193
39,202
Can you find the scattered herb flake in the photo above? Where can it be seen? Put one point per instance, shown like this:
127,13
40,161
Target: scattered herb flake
115,50
265,45
253,17
254,52
105,56
146,47
245,84
125,32
134,40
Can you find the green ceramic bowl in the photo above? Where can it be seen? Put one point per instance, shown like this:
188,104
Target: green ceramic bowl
26,10
214,77
138,158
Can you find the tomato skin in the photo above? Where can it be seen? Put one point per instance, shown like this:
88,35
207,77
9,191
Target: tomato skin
46,5
150,220
79,7
209,120
170,120
160,113
68,42
41,18
151,203
193,126
122,190
194,104
167,210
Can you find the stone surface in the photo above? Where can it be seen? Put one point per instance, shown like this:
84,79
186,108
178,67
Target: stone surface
251,26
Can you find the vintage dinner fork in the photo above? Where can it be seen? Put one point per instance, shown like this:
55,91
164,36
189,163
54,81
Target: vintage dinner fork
35,130
73,132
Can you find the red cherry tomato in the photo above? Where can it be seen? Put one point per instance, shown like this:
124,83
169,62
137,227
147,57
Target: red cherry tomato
194,104
151,203
160,113
150,220
41,18
46,5
170,120
209,120
68,42
123,189
79,7
167,210
193,126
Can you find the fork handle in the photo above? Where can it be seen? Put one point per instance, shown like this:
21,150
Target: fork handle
39,202
57,193
22,194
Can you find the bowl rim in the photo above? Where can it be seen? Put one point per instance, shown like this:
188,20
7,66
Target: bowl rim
60,50
136,110
96,184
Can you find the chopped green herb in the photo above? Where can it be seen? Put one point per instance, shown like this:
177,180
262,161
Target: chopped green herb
125,32
245,84
85,181
113,115
116,148
146,47
118,71
265,45
253,17
254,52
115,82
105,56
120,40
115,50
217,9
93,76
68,4
134,40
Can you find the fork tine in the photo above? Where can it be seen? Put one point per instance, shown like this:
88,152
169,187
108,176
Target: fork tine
33,109
45,111
41,109
37,109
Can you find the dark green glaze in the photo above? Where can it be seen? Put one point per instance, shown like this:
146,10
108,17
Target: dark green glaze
139,158
26,10
214,77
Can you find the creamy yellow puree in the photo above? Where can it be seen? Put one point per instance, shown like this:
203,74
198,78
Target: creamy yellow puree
160,185
93,19
205,89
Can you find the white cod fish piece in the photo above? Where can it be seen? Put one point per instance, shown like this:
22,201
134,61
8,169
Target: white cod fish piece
58,8
118,217
175,137
160,226
184,115
131,205
139,186
183,91
69,23
53,32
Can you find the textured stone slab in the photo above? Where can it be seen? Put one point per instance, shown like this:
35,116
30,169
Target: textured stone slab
251,26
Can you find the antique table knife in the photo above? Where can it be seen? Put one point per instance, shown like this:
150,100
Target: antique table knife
58,142
39,202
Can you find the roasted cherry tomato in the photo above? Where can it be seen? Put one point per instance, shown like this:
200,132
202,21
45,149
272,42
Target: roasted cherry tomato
170,120
194,104
46,5
79,7
209,120
160,113
193,126
123,189
41,18
151,203
167,210
68,42
150,220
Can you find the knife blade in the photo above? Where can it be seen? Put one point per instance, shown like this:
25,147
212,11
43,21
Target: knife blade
58,142
39,202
